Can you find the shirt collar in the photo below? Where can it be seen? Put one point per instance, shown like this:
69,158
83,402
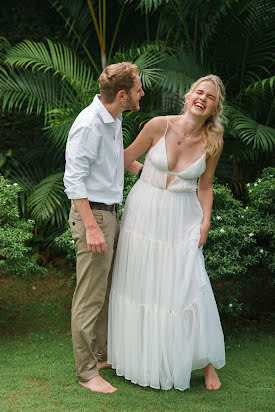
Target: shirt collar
106,116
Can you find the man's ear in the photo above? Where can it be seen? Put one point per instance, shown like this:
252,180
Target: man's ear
121,94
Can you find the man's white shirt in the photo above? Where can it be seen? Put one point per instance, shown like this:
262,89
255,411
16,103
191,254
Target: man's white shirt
94,156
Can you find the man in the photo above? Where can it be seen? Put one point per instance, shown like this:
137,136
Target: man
94,182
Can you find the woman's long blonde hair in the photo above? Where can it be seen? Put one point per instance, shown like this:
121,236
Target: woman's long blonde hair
212,130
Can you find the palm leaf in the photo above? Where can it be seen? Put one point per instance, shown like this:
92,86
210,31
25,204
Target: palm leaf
223,12
181,71
4,47
262,86
33,92
60,122
53,57
48,202
133,123
261,137
148,5
77,17
148,60
61,119
149,72
261,53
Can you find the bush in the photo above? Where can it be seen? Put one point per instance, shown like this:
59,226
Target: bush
261,214
238,254
230,251
65,244
15,233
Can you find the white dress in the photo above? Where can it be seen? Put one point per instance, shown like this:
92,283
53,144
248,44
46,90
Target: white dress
163,318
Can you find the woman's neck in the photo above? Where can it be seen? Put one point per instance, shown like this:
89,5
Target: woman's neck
190,124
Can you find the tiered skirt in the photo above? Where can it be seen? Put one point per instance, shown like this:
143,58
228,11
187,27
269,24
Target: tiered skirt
163,318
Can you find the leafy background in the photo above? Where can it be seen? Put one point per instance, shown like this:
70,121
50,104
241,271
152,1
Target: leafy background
51,53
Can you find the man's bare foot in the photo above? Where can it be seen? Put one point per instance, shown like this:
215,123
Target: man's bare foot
98,384
211,378
103,365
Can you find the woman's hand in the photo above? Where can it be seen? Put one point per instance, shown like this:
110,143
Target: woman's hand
204,229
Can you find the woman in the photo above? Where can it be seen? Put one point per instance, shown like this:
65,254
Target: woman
163,319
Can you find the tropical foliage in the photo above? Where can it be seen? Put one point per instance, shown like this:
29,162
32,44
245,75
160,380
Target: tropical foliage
181,42
15,234
239,252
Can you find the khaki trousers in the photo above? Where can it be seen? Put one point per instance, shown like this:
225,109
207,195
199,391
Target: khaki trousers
91,296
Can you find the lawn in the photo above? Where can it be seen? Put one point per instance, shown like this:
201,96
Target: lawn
37,367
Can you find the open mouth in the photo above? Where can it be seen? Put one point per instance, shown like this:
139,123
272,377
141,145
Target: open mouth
200,106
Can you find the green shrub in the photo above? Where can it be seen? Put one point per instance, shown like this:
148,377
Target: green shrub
15,233
261,214
65,244
238,254
230,251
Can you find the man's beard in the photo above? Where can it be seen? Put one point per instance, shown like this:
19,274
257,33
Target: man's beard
131,104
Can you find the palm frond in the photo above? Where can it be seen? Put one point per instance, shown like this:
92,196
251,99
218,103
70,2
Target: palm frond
222,9
34,92
133,123
53,57
48,202
148,5
261,93
258,13
61,119
262,86
261,137
76,16
181,71
4,47
28,176
148,68
148,60
60,122
261,53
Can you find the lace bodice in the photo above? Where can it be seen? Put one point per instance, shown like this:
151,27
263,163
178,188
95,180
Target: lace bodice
155,170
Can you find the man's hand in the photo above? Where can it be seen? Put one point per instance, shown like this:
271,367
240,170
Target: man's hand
95,240
204,229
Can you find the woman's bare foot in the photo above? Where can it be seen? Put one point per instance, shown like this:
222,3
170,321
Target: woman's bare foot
98,384
211,378
103,365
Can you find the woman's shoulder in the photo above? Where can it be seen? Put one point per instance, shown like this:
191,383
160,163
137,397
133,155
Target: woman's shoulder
156,126
157,122
160,123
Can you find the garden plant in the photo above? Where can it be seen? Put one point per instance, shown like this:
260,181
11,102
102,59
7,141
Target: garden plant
173,49
47,77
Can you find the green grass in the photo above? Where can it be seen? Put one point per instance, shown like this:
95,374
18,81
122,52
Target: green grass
37,367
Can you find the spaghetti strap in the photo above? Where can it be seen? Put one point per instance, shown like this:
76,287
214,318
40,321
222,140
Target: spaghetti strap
166,129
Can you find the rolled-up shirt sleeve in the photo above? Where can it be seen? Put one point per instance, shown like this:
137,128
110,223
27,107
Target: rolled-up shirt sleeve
81,151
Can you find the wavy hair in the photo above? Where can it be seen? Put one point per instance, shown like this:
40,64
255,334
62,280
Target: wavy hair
115,77
212,129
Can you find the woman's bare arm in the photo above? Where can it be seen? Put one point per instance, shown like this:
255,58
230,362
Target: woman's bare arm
152,131
205,194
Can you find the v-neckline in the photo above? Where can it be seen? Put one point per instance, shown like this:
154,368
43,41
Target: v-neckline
182,171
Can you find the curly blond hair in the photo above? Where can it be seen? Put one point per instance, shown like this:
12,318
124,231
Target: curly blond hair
212,130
